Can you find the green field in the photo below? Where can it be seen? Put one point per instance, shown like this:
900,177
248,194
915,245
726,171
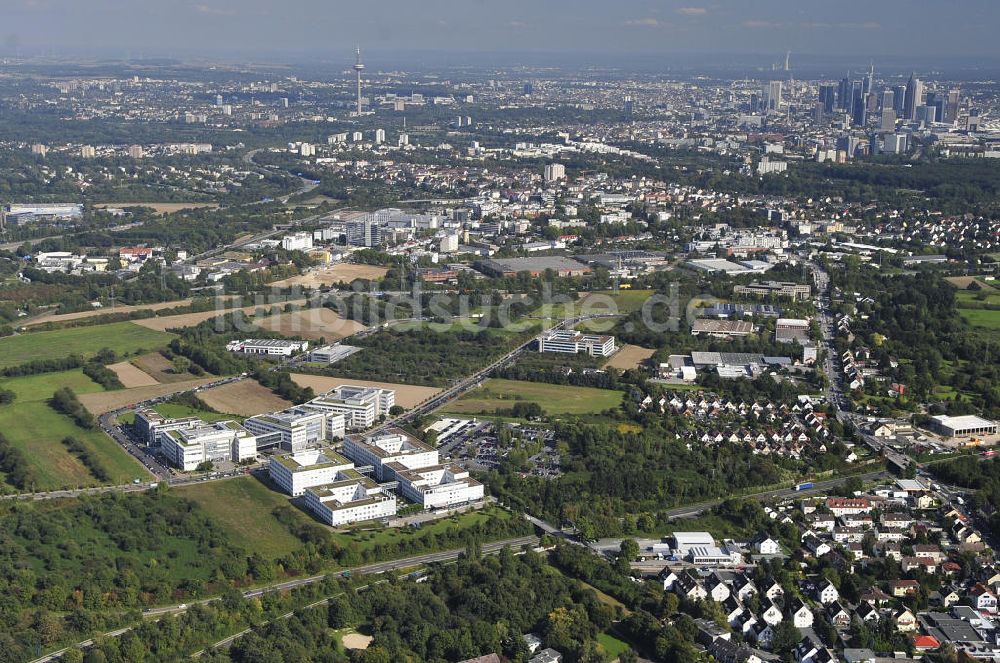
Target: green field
601,301
555,399
122,337
367,535
34,427
981,318
242,508
179,411
612,645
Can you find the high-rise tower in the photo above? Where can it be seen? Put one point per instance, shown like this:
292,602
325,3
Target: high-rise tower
358,68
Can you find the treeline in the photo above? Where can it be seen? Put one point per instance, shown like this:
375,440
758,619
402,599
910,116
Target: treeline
281,383
37,366
7,396
85,456
64,400
14,465
102,375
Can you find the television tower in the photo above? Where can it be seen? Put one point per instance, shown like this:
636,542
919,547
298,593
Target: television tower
359,67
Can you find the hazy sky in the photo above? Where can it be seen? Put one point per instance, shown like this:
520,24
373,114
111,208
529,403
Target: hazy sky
921,28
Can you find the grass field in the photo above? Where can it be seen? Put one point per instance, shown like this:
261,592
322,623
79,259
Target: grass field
34,427
612,645
122,337
555,399
602,301
242,509
981,318
376,535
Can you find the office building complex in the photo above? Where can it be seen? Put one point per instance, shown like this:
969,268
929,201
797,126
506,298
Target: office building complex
298,427
350,498
294,473
415,466
796,291
570,341
149,425
187,448
361,406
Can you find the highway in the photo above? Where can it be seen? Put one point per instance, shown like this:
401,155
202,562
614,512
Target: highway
370,569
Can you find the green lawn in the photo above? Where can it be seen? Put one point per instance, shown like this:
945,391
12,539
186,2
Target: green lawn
601,301
242,508
612,645
34,427
179,411
122,337
554,399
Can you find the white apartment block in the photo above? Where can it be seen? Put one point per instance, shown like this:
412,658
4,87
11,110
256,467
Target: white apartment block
300,427
438,486
294,473
361,406
349,499
390,453
187,448
299,241
570,341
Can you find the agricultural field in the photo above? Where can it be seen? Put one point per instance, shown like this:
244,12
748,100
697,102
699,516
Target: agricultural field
159,368
132,376
340,273
122,337
629,356
38,430
242,508
106,401
80,315
181,320
244,398
407,395
554,399
310,323
160,208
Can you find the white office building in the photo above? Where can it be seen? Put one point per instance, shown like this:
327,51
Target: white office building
390,453
570,341
351,498
294,473
268,346
438,486
187,448
361,406
150,425
299,427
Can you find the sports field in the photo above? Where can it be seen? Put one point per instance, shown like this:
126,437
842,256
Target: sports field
554,398
35,428
242,508
122,337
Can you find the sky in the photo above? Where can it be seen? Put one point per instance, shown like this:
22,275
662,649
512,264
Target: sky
613,28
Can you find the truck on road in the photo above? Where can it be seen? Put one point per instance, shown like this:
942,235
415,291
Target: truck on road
804,486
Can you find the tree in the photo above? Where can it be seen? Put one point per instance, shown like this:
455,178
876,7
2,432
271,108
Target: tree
629,549
181,364
786,636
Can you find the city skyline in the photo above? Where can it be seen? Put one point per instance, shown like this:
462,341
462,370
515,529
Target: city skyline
894,28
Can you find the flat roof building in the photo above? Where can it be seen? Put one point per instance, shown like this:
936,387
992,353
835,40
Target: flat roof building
787,330
965,426
795,291
721,328
350,498
187,448
390,453
267,346
331,354
149,424
299,427
361,406
570,341
437,486
294,473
